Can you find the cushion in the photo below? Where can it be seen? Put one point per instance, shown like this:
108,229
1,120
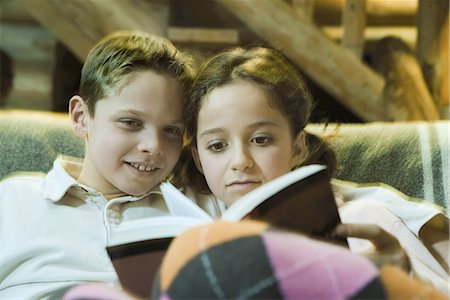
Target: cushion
251,260
247,260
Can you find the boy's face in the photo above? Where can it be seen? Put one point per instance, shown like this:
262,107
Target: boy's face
135,138
242,141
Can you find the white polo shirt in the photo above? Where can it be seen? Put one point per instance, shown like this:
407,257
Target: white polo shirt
53,231
394,212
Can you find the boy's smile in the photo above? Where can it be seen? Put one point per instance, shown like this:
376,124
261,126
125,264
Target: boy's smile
143,167
134,140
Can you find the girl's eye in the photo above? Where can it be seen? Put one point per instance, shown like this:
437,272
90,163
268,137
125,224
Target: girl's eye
262,140
217,147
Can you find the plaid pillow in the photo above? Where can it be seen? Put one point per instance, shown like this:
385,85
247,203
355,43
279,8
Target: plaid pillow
250,260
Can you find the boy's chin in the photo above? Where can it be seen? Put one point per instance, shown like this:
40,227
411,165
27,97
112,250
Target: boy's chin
138,191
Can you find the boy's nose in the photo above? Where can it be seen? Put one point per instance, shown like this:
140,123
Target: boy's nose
151,144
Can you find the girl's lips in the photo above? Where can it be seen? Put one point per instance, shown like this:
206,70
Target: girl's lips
243,184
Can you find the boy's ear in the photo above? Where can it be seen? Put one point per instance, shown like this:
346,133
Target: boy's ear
195,156
300,149
78,114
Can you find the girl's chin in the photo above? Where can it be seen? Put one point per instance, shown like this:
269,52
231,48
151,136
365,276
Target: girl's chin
229,200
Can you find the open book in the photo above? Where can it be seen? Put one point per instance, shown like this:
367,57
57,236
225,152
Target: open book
137,248
300,201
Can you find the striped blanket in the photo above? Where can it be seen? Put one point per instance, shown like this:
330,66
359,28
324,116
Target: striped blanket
412,157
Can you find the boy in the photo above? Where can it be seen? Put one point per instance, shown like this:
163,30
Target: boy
129,111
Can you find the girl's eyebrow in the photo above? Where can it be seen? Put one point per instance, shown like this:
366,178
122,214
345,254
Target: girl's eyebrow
211,131
253,125
264,123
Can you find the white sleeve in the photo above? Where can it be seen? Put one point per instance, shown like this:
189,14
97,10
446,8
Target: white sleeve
399,217
413,214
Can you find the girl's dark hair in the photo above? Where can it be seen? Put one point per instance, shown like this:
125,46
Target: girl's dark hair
271,71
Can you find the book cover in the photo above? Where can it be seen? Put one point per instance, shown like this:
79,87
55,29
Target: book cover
137,248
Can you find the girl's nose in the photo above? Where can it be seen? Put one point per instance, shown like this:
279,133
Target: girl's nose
241,160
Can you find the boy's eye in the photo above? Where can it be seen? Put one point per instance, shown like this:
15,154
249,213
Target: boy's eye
217,146
134,124
261,140
174,130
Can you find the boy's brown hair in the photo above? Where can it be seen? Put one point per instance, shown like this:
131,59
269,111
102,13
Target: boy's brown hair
111,64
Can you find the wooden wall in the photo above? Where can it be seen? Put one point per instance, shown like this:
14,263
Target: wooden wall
356,72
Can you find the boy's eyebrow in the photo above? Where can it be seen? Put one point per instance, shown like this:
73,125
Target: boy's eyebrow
138,113
130,111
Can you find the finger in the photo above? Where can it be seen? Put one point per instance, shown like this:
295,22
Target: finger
379,237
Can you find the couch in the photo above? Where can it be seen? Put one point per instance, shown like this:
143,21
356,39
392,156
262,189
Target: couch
412,157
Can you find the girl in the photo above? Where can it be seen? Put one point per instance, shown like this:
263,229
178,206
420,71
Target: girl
245,124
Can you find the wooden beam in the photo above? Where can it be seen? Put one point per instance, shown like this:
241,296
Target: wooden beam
432,43
354,24
203,36
378,12
374,7
334,68
375,33
11,11
443,62
80,24
406,93
305,9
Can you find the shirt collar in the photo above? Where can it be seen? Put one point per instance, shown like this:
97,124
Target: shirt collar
61,179
58,181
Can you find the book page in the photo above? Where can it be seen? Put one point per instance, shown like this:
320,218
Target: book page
180,205
302,201
150,228
248,202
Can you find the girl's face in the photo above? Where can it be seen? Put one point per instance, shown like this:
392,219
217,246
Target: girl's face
242,141
135,138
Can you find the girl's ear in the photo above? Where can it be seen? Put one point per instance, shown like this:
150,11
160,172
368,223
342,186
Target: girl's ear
299,149
78,113
195,156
